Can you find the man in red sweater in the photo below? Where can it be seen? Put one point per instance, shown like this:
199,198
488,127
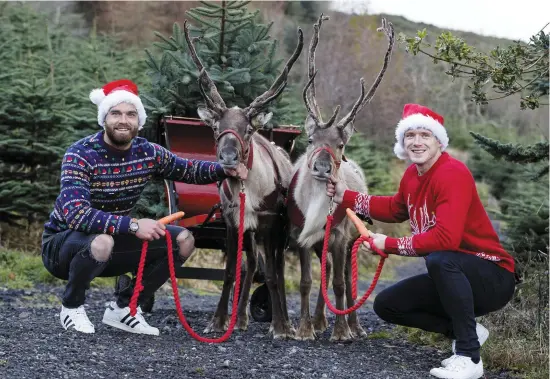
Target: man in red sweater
469,272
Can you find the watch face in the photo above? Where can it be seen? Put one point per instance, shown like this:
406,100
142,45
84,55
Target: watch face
134,227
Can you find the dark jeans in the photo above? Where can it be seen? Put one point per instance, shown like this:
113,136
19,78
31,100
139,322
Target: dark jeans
67,255
457,288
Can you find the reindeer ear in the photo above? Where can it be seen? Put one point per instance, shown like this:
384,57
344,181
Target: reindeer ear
207,116
260,120
347,132
310,125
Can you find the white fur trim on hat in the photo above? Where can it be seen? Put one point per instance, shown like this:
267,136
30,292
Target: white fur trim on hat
418,121
105,103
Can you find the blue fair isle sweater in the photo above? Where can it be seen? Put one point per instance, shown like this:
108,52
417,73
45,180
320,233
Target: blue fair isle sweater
100,185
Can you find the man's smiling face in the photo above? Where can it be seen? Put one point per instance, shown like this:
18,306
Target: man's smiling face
422,146
121,125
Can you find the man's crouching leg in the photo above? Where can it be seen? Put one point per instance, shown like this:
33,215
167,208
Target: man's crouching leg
186,245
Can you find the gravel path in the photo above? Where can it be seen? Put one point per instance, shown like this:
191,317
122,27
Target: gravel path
34,345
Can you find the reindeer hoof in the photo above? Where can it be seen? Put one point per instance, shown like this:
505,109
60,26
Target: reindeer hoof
305,332
357,331
217,325
242,322
320,324
341,333
282,332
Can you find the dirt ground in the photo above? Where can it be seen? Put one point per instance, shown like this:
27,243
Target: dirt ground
34,345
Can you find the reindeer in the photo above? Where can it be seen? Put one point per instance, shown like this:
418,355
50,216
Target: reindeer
265,189
308,204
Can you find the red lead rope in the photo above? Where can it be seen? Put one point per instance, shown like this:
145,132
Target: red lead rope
139,287
354,250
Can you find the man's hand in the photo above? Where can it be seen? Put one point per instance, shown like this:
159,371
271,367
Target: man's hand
379,241
336,189
150,230
241,172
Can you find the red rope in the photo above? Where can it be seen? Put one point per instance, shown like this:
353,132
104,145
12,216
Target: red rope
354,250
233,321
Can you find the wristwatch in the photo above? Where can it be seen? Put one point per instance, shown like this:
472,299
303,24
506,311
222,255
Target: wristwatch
134,226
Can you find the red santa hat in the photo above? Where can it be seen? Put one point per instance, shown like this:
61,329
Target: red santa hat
419,117
114,93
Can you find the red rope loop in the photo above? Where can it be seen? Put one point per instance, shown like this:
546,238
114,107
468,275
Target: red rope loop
354,270
138,287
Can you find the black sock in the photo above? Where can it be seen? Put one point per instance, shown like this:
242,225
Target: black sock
475,360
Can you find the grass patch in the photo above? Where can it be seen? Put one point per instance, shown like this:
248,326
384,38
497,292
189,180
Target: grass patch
381,335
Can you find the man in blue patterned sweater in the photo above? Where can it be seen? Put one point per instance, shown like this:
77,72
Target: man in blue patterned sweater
90,234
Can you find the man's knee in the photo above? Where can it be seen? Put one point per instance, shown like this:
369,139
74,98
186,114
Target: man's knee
381,305
102,247
186,243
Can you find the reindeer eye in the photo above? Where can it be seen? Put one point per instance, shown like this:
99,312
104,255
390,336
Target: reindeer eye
341,146
310,141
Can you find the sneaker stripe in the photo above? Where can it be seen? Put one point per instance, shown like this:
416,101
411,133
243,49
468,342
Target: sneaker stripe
70,324
134,325
125,317
65,321
131,320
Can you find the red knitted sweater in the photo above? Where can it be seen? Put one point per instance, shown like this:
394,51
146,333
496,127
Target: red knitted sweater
444,211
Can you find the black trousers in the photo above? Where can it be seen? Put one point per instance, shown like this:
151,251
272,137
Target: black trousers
457,288
67,255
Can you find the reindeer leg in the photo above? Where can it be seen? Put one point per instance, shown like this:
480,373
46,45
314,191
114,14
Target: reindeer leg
305,330
357,330
341,331
280,264
220,321
278,327
320,323
252,262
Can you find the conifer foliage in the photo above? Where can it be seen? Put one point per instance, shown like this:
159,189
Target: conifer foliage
236,49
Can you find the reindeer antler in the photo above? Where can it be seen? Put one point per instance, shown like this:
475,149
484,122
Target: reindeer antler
214,101
387,28
279,84
309,91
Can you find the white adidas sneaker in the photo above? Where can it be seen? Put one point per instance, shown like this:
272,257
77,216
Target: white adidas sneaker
77,319
122,319
459,367
482,335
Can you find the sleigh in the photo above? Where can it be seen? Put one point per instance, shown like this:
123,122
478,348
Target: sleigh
191,138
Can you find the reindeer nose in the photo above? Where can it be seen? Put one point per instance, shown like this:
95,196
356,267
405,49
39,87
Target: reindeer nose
322,167
229,157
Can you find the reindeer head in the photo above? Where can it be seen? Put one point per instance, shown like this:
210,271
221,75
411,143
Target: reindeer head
327,140
234,127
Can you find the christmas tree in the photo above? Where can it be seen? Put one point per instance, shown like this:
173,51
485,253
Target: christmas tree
44,105
237,52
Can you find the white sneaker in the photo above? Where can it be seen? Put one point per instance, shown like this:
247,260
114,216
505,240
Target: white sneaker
122,319
482,335
459,368
77,319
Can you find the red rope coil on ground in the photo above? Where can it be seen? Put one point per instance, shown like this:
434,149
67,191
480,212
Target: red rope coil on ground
139,287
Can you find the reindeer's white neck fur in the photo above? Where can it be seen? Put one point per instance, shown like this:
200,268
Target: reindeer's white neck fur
259,183
311,197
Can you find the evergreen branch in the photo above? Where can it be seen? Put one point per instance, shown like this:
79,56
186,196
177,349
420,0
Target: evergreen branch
210,4
207,12
152,61
201,20
513,152
169,41
541,173
237,4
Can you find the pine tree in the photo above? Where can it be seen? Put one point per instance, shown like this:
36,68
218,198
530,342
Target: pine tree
44,105
235,48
